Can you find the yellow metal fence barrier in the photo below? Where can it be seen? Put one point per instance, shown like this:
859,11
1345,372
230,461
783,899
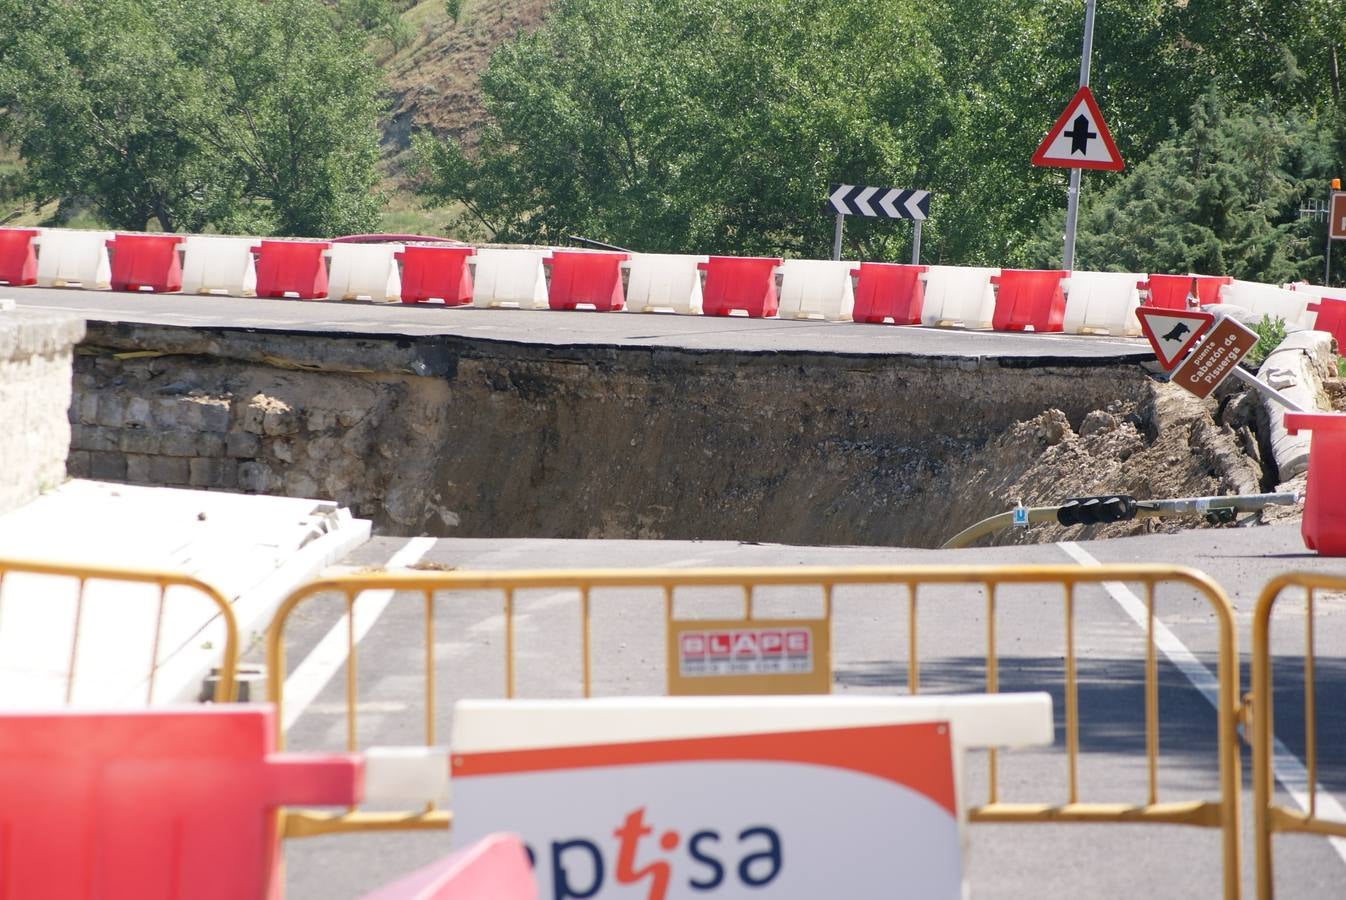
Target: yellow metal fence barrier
1268,816
83,575
1221,812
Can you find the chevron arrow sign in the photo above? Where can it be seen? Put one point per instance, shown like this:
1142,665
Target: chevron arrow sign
878,202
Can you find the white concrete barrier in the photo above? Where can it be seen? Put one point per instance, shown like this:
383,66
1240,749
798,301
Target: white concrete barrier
664,281
958,296
1317,290
1102,303
219,265
67,258
364,272
816,288
513,277
1265,300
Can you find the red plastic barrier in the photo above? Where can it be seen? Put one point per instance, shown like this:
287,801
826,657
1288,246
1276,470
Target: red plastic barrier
159,803
578,277
141,261
18,262
494,868
1170,291
740,282
436,273
1324,524
889,291
291,267
1029,298
1331,318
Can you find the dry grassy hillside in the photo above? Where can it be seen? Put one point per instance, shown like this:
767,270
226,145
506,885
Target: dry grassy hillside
433,83
434,78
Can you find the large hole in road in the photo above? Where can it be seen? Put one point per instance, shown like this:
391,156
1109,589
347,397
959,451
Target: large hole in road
446,436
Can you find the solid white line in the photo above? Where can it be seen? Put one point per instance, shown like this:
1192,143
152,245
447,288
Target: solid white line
1289,770
309,678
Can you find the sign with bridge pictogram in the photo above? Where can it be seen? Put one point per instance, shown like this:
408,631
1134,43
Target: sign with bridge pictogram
1172,332
1080,139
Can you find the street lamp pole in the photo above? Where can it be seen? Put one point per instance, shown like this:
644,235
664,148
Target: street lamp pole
1073,197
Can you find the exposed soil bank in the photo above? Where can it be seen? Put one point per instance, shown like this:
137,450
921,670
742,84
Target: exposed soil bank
455,437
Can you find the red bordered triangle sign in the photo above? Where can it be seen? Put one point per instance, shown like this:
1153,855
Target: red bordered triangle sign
1079,139
1172,332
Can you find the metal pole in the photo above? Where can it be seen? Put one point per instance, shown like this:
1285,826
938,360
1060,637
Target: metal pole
1327,269
1073,196
916,245
836,237
1261,386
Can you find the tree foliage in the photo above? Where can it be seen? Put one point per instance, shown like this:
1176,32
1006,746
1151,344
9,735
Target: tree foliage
1220,197
238,114
716,125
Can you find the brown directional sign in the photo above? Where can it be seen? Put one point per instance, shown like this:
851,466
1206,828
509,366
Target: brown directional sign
1336,225
1215,357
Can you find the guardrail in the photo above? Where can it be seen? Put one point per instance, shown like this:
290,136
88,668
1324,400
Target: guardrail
226,685
429,589
1270,818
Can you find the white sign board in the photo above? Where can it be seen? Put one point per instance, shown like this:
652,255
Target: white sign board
846,812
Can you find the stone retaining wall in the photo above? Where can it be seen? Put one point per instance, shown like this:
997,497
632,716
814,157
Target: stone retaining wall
35,360
450,436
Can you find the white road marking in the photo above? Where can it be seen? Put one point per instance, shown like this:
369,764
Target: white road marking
309,678
1288,768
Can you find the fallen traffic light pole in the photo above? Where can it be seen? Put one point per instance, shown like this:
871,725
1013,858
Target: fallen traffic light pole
1120,508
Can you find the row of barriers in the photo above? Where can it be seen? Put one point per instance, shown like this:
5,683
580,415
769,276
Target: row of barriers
540,278
777,599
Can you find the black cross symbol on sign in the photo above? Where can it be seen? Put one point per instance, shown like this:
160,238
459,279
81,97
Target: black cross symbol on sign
1080,134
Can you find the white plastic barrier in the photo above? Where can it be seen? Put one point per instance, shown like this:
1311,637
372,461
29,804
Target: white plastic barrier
977,721
1317,290
219,265
1102,302
958,296
664,281
364,272
510,276
66,258
816,288
1266,300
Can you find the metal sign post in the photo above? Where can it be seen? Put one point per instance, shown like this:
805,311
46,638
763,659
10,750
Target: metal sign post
1336,227
1073,194
877,203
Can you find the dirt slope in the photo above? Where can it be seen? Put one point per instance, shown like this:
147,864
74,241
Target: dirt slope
433,81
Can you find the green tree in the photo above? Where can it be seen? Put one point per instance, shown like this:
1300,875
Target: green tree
232,113
1220,198
695,124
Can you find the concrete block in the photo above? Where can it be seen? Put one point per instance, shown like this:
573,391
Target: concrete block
215,416
107,466
210,444
204,472
90,437
169,470
111,411
138,440
138,469
77,464
242,445
178,443
138,411
255,477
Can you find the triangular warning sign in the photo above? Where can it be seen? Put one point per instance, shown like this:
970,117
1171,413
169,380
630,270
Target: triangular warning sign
1172,332
1079,139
